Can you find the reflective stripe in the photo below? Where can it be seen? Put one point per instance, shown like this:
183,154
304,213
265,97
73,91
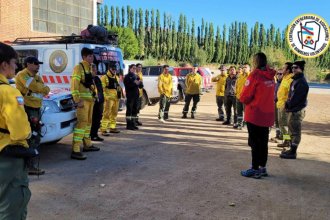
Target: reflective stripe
239,117
28,82
37,95
78,139
286,137
128,117
76,77
79,131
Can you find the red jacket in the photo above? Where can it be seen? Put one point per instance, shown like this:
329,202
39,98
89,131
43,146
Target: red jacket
258,97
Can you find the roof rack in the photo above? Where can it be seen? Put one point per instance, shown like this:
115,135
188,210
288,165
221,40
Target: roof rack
112,39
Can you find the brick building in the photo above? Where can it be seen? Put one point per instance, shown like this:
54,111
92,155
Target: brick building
32,18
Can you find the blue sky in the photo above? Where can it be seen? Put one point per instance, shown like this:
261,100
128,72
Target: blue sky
277,12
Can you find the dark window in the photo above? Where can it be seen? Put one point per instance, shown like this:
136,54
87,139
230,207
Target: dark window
145,71
184,72
22,54
155,71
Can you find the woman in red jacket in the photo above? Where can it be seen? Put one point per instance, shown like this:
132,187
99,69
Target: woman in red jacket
258,97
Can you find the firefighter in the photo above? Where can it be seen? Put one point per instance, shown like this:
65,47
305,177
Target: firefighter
14,132
98,106
132,85
295,106
220,91
82,91
230,99
165,89
33,89
112,94
242,76
193,90
282,97
140,76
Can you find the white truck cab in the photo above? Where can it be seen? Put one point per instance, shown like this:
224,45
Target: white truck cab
59,55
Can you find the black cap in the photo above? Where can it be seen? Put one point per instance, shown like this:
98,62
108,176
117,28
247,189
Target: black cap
301,64
112,66
32,59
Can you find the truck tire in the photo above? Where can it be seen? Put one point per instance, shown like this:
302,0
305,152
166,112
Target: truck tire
175,100
53,142
144,101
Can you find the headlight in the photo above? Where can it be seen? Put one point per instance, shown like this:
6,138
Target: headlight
49,107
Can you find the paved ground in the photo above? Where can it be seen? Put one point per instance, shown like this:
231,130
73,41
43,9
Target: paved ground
186,169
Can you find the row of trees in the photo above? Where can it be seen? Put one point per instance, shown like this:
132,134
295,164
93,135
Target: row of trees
143,35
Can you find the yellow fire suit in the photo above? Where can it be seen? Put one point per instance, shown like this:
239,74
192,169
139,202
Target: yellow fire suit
81,132
193,83
111,87
240,84
32,88
221,82
140,75
283,91
14,182
165,85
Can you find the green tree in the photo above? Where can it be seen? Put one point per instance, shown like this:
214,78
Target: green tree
224,44
153,34
106,15
210,49
127,41
217,51
174,42
147,38
112,16
102,17
141,35
129,21
157,34
136,23
278,40
117,17
98,14
131,17
123,16
262,36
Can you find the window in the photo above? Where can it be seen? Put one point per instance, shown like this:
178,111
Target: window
62,17
184,72
155,71
22,54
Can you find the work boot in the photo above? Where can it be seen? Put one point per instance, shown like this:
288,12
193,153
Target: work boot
78,156
105,133
235,126
114,130
184,115
96,138
226,123
35,171
288,155
220,119
286,143
91,148
192,115
138,123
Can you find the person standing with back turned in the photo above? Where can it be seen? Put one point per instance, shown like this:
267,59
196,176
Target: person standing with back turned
258,97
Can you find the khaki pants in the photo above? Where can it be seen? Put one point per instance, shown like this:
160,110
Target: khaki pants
81,133
14,189
294,123
110,112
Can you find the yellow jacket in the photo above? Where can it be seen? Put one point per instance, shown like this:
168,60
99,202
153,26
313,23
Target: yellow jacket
12,116
109,93
193,83
283,91
240,84
78,90
221,82
140,75
165,84
32,88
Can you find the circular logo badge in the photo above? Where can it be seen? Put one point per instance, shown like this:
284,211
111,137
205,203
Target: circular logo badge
308,35
58,61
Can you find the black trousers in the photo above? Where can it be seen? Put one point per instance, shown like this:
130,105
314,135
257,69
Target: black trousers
220,101
258,141
230,102
96,118
131,108
187,100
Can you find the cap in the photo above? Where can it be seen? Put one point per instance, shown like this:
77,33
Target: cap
32,59
301,64
112,66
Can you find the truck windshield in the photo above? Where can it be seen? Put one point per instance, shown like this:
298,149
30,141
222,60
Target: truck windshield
103,57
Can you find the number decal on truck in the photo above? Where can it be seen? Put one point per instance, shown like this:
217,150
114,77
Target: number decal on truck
58,61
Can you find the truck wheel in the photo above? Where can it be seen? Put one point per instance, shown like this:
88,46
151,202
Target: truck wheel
175,100
53,142
144,101
181,95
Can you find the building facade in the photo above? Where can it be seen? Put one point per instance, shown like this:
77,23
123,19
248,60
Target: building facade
42,18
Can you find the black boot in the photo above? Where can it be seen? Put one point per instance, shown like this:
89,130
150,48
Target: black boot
184,115
285,143
226,123
192,115
289,154
129,125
